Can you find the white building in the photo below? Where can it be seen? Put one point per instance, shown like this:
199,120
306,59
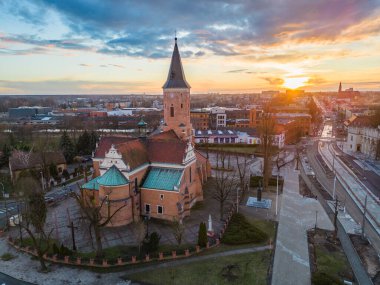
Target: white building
362,137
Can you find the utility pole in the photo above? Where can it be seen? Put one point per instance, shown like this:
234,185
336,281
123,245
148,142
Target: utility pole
335,218
334,189
19,223
71,226
364,213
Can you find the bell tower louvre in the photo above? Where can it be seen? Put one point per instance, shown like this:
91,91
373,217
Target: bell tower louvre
177,99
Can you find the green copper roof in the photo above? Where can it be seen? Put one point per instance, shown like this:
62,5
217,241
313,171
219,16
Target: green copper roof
92,184
141,123
163,179
113,177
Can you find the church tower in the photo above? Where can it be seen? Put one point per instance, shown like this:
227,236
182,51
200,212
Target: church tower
177,99
340,87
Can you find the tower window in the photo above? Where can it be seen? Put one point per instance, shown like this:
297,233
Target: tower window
190,174
181,105
171,111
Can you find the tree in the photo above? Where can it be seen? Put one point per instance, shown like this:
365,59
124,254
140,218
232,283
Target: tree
94,138
178,230
67,147
34,218
93,214
6,154
224,184
202,235
242,164
141,233
267,132
84,144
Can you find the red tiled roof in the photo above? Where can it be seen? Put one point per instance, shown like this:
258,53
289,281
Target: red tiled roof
167,135
172,151
134,152
106,142
165,147
362,121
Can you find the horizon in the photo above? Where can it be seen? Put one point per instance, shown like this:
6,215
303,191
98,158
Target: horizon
72,48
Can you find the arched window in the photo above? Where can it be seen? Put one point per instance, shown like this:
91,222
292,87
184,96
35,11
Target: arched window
171,111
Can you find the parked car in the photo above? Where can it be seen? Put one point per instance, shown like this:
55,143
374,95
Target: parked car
15,220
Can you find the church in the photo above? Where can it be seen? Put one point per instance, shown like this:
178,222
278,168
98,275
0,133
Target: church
158,176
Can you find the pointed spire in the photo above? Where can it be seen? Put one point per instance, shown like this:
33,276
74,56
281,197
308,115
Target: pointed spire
176,76
340,87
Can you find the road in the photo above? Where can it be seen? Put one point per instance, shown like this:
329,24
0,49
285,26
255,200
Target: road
9,207
8,280
327,181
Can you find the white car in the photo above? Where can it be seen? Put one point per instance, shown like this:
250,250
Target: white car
15,220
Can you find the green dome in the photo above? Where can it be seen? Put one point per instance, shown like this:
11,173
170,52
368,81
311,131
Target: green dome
113,177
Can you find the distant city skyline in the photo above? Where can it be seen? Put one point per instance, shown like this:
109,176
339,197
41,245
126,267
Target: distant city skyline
123,47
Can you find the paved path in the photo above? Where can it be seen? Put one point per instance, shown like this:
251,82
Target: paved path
297,215
197,258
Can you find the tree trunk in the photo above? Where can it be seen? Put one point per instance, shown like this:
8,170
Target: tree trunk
42,261
221,210
98,238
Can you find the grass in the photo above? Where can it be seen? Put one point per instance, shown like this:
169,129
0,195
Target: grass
7,256
241,231
330,264
250,268
243,149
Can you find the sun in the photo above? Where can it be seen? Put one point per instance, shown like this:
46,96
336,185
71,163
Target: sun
295,82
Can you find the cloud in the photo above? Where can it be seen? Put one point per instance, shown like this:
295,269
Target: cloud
223,28
273,80
64,86
236,71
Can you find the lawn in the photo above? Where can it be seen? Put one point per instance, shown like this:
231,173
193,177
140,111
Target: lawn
250,268
333,264
233,149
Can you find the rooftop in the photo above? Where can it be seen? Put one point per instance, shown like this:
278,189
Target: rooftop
113,177
163,179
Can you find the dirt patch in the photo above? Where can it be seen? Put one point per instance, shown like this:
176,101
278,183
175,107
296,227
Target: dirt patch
368,257
304,190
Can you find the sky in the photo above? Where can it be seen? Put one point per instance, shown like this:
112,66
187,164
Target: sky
240,46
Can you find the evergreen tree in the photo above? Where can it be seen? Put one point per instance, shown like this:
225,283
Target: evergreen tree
202,235
94,138
84,144
6,154
67,147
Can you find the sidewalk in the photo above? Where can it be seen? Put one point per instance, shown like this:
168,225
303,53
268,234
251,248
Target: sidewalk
291,261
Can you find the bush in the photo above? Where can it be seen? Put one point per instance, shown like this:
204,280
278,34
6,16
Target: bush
151,244
65,174
321,278
240,231
62,251
202,235
7,256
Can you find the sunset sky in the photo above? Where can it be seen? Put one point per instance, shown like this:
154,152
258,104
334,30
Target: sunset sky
122,47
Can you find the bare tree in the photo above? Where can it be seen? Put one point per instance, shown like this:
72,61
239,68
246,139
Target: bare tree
93,213
242,165
224,184
267,132
34,218
178,230
141,233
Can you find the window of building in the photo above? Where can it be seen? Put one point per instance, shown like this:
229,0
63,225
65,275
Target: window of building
147,208
171,111
181,105
352,137
190,174
162,196
160,209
